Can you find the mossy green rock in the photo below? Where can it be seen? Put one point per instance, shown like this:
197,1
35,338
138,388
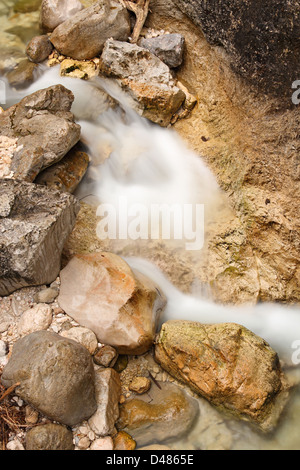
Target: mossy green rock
228,365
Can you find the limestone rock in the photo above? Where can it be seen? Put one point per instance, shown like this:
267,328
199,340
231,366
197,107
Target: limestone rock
169,48
55,12
101,292
34,224
67,173
261,38
83,36
169,412
35,319
49,437
39,48
228,365
140,385
44,130
84,336
56,376
145,78
106,356
108,391
106,443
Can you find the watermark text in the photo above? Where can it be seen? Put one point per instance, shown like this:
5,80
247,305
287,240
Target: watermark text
183,222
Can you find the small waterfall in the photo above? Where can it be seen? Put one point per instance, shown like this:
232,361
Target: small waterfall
136,160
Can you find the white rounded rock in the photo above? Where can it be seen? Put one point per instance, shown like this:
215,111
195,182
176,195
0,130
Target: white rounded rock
84,336
35,319
106,443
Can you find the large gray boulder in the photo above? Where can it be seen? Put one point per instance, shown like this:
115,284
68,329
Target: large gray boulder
37,132
262,38
56,377
145,78
83,36
35,222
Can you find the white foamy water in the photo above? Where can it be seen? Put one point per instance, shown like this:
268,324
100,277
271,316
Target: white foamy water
278,325
134,159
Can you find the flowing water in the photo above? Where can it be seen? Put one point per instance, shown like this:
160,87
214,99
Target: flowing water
141,163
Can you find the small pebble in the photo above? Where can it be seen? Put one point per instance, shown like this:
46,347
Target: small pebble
83,443
15,445
31,415
106,443
140,385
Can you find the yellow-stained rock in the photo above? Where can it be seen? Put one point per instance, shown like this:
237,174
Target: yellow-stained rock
123,441
228,365
79,69
66,174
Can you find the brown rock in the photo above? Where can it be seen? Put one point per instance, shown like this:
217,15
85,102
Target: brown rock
83,36
123,308
123,441
162,414
44,130
145,77
22,75
106,356
140,385
39,48
66,174
56,377
31,415
227,364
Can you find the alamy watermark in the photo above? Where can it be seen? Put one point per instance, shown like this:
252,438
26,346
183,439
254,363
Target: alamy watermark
296,354
296,94
2,92
181,222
